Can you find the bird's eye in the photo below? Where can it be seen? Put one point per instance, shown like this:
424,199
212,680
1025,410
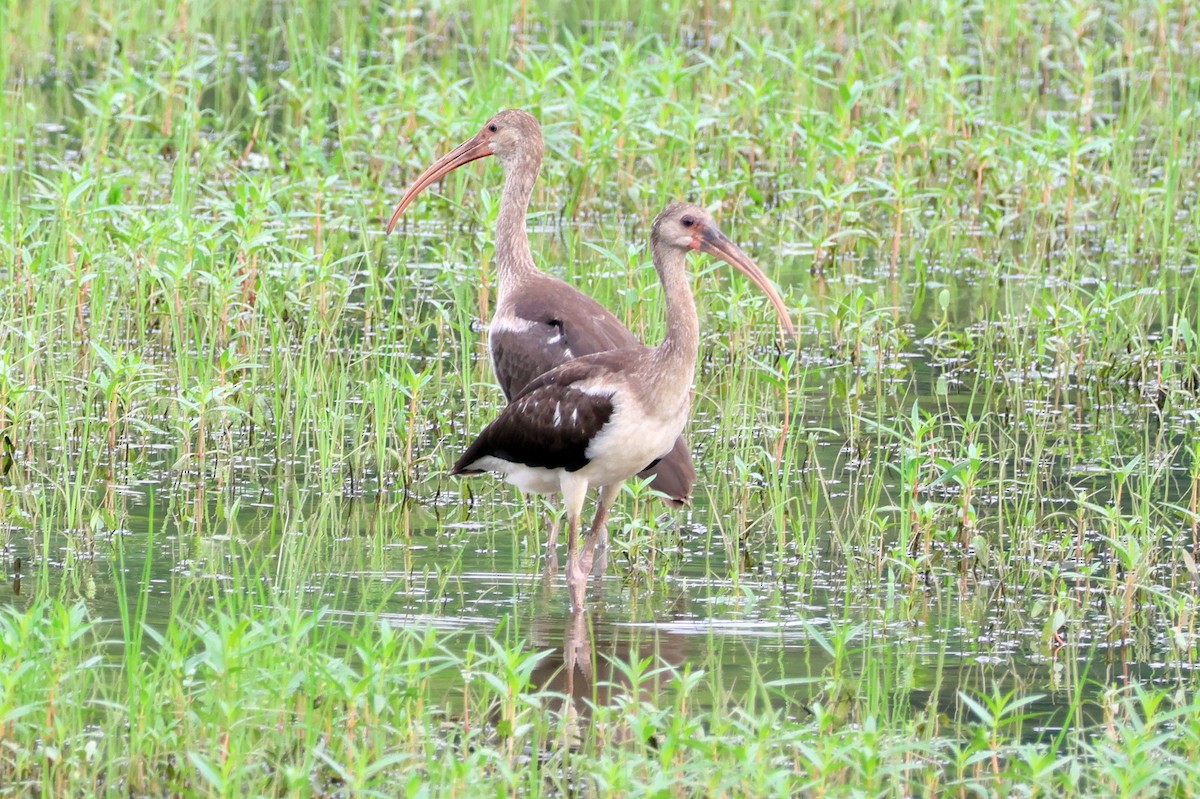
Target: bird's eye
687,221
492,127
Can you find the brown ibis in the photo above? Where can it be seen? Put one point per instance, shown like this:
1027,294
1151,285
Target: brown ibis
540,321
599,419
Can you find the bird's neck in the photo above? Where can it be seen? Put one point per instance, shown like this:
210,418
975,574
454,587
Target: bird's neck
514,260
679,348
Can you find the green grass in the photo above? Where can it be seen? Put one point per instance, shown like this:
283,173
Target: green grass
964,502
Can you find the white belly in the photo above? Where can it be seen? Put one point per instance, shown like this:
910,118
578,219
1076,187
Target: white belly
529,479
632,440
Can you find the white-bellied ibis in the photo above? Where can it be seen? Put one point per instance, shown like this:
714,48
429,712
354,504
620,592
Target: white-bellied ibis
540,321
599,419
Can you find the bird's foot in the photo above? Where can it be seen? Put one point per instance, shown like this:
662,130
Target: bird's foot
577,646
578,569
600,560
596,547
577,590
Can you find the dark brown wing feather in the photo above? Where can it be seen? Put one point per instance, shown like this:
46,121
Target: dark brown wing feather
566,324
549,425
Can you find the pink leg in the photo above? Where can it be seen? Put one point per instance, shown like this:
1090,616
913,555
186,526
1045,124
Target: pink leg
574,489
598,539
552,548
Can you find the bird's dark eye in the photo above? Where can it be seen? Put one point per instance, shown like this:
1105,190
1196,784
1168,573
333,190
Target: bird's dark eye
492,127
687,221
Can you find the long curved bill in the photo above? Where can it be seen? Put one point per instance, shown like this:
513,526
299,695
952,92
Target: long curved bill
471,150
714,242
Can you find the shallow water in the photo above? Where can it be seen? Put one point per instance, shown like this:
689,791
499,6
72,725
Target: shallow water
462,558
755,604
476,568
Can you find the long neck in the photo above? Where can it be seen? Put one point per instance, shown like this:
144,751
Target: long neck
678,349
514,261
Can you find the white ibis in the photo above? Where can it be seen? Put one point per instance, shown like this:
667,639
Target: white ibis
540,321
599,419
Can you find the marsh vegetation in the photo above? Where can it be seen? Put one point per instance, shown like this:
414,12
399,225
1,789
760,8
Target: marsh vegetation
942,543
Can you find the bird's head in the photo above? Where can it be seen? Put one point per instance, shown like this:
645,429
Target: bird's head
684,226
512,136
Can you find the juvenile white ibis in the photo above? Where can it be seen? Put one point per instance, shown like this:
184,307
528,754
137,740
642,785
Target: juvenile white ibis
599,419
540,321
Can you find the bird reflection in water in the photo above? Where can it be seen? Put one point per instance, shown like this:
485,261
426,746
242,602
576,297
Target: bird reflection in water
597,667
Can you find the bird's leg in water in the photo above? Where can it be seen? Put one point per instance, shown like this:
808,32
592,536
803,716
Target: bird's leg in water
598,540
551,565
574,490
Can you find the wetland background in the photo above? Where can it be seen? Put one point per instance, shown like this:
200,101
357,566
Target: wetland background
942,543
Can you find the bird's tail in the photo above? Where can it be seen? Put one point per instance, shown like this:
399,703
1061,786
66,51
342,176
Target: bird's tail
673,475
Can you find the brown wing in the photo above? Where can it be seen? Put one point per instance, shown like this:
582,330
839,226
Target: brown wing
563,323
551,424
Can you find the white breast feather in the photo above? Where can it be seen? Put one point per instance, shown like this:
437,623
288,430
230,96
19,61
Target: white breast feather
507,323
